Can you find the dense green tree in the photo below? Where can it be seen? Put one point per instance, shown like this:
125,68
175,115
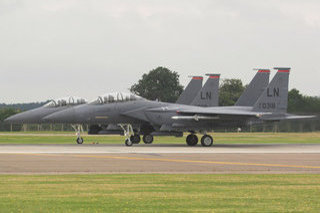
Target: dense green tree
160,83
229,92
298,103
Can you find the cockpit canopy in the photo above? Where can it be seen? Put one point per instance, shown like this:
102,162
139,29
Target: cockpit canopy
116,97
66,101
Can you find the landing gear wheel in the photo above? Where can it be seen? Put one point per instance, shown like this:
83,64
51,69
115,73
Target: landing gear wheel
148,139
135,139
80,140
192,140
128,142
206,140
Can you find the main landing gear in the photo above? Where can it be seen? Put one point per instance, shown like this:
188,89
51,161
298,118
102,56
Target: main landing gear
192,140
206,140
147,139
78,129
132,137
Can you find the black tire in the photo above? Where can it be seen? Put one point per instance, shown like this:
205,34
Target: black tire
192,140
135,139
80,140
148,139
206,140
128,142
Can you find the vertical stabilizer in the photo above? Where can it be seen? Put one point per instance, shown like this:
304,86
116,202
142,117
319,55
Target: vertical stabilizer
191,90
208,96
275,97
254,90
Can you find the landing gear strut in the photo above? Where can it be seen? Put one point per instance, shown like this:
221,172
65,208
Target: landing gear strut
78,129
148,139
131,138
192,140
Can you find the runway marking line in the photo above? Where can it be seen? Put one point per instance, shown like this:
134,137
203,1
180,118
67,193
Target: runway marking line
181,161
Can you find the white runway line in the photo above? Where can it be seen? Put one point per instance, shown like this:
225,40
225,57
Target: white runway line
162,149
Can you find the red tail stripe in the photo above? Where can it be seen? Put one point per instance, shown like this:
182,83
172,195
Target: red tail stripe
266,71
197,78
214,76
287,71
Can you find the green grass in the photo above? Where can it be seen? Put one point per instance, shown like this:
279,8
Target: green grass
220,138
160,193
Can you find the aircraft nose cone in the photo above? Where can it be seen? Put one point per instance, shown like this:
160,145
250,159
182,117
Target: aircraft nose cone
19,118
10,119
65,116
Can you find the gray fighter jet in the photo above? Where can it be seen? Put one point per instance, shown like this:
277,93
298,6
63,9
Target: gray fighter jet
190,96
186,97
136,115
35,116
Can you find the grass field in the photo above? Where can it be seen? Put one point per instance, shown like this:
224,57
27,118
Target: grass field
219,138
160,193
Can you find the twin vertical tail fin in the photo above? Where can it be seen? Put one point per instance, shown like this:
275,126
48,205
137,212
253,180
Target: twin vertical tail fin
254,90
191,90
274,98
208,96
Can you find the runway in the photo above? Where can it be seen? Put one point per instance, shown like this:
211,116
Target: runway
93,158
161,149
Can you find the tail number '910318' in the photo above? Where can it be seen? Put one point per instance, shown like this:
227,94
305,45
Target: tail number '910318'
267,105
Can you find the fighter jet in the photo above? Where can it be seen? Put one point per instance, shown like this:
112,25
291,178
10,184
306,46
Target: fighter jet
190,96
186,97
35,116
138,116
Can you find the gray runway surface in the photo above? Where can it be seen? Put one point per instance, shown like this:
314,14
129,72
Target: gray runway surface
261,158
161,148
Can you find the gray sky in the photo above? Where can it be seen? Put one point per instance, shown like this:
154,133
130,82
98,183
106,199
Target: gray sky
50,49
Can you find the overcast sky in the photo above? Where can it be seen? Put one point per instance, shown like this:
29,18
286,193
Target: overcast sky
51,49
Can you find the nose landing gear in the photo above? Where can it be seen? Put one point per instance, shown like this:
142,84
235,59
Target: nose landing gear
131,137
80,140
78,129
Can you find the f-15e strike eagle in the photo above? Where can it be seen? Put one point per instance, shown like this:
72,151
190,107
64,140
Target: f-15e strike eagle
196,111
